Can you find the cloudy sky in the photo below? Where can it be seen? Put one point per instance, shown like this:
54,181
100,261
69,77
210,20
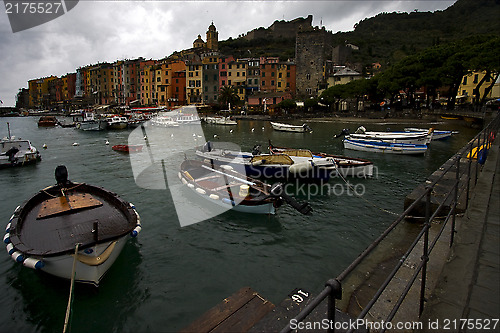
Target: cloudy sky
98,31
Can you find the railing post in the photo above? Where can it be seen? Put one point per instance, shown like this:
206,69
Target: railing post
425,254
468,177
455,200
335,293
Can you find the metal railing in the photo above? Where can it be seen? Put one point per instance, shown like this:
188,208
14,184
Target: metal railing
476,150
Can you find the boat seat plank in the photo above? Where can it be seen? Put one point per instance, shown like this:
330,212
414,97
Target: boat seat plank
237,313
65,204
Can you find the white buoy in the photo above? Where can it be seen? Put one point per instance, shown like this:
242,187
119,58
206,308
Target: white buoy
215,135
172,135
76,144
145,137
194,134
231,131
107,142
262,127
44,146
253,129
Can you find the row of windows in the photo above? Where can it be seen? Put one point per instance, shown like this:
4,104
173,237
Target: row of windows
475,80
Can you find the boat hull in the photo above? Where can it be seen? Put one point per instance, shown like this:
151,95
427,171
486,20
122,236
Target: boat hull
205,180
289,128
436,134
118,126
90,267
92,125
385,147
344,166
406,138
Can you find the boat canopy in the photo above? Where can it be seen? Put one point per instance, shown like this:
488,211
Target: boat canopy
272,159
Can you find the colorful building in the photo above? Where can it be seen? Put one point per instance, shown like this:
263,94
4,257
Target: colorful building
468,87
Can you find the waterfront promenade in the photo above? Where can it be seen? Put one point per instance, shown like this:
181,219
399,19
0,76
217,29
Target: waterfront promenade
468,286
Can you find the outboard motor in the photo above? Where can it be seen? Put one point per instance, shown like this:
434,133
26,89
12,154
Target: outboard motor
256,150
277,190
61,175
344,131
11,153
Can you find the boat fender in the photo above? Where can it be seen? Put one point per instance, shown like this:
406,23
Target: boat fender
6,238
244,190
226,167
18,208
301,167
33,263
179,175
228,201
200,190
214,196
259,162
136,231
184,181
7,228
10,249
190,185
482,155
12,217
188,175
17,256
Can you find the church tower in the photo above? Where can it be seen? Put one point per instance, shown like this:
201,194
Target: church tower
212,37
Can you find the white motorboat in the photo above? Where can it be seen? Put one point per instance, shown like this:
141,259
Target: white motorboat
91,122
163,121
17,152
381,146
436,134
219,120
390,137
71,224
117,122
291,128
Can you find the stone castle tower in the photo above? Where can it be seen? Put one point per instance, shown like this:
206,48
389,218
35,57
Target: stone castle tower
310,56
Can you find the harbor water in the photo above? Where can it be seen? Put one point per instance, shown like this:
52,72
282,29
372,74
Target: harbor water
169,275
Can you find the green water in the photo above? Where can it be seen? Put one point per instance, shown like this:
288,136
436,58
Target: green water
170,275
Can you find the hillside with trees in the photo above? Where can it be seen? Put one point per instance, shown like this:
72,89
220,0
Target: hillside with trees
389,37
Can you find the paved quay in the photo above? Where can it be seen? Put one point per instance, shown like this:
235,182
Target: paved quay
469,284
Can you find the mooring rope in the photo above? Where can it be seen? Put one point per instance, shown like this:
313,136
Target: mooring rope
359,196
71,288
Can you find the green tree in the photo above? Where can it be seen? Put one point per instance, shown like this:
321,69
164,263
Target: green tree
228,95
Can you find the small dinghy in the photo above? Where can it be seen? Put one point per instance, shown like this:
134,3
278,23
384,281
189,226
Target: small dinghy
291,128
127,148
346,166
227,188
381,146
46,231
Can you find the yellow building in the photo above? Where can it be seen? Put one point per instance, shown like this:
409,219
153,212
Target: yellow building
236,76
467,89
194,88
